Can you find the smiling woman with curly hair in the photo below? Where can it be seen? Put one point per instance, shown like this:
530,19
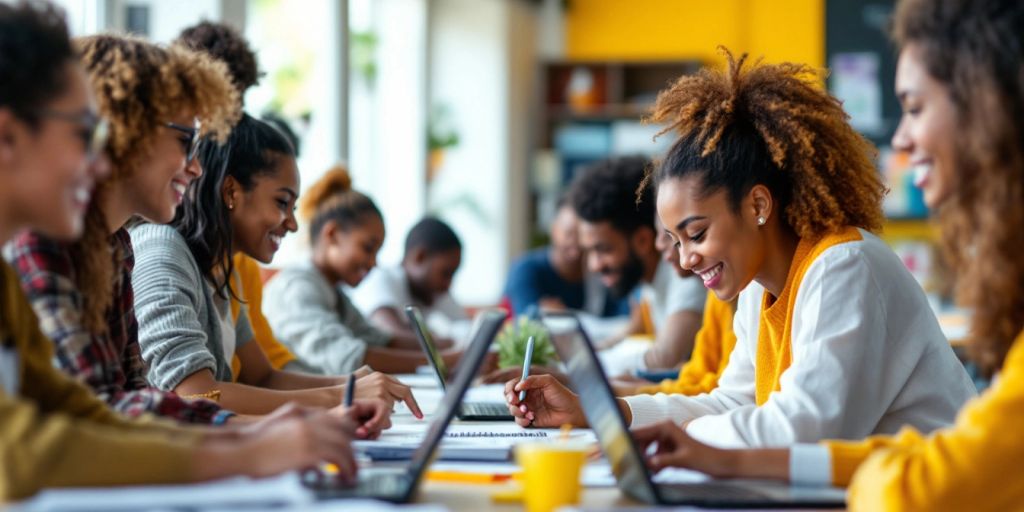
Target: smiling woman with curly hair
768,182
960,81
155,99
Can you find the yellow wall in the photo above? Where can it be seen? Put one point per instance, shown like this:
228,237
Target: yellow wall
779,30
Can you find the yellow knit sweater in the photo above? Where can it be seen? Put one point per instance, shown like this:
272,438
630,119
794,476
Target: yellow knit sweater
248,271
975,464
54,432
712,347
774,337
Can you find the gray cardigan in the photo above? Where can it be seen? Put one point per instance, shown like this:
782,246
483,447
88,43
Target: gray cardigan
179,330
317,321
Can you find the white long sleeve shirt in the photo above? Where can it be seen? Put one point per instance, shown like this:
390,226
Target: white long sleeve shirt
867,357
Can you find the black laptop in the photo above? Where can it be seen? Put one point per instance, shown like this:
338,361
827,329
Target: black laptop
468,411
399,484
627,463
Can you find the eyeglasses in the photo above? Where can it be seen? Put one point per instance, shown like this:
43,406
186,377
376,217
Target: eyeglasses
94,130
190,140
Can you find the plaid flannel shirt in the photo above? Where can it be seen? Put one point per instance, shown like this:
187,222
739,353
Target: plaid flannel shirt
109,362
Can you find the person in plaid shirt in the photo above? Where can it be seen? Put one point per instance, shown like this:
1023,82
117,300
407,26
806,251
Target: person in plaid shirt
82,291
108,361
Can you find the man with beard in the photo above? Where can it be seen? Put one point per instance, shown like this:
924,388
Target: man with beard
617,233
555,277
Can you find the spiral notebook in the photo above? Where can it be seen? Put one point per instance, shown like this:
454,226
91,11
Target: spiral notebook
487,434
491,443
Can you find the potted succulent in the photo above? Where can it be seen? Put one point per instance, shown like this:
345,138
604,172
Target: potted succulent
511,343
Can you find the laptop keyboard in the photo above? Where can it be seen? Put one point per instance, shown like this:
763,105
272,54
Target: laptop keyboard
484,409
709,492
369,485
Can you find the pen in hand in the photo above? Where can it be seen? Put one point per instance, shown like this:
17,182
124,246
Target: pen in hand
526,365
350,390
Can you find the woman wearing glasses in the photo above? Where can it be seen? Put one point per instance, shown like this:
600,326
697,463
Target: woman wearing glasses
82,291
185,279
155,132
53,430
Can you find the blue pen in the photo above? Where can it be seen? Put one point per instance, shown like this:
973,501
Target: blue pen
526,365
350,390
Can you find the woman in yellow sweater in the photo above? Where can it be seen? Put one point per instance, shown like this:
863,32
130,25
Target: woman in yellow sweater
767,182
960,80
53,431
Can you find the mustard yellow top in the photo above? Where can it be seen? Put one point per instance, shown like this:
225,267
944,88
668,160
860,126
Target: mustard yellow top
774,335
248,271
711,349
54,432
973,465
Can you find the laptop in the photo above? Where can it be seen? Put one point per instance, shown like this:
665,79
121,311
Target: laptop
469,411
397,484
627,462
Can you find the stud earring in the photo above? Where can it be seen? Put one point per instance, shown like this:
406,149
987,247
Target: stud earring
231,206
760,221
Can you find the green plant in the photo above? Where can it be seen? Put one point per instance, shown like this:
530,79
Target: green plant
441,132
512,343
362,55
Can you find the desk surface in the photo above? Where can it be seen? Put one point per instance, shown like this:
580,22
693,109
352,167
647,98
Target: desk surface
468,497
477,497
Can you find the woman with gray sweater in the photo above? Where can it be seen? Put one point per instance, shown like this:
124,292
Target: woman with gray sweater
184,281
306,306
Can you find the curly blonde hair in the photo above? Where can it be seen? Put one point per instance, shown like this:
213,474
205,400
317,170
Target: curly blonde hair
139,86
770,124
974,48
332,198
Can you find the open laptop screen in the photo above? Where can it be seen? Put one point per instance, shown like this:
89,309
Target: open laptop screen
599,405
468,367
419,326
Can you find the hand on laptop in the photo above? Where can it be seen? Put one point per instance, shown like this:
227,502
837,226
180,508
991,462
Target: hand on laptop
292,442
381,386
675,448
365,419
548,403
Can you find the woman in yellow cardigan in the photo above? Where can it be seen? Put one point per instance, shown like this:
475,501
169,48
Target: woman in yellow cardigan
960,80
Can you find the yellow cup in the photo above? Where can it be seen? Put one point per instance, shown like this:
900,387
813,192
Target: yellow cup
551,474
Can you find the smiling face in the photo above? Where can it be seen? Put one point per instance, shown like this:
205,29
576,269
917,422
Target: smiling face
725,248
158,187
614,255
48,170
262,216
350,253
927,128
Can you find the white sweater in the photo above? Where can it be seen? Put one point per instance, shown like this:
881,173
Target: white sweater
867,357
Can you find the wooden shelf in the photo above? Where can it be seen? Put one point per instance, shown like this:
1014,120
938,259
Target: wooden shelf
576,124
597,112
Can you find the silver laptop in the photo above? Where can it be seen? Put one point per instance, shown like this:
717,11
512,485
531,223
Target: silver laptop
627,463
399,484
469,411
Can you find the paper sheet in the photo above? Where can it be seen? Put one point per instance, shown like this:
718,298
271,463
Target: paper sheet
240,492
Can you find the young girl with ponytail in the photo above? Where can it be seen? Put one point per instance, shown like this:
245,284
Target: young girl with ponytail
306,306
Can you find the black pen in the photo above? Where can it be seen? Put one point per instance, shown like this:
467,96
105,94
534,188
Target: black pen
350,390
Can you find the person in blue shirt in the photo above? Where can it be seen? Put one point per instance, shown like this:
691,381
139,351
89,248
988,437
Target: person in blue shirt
554,277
